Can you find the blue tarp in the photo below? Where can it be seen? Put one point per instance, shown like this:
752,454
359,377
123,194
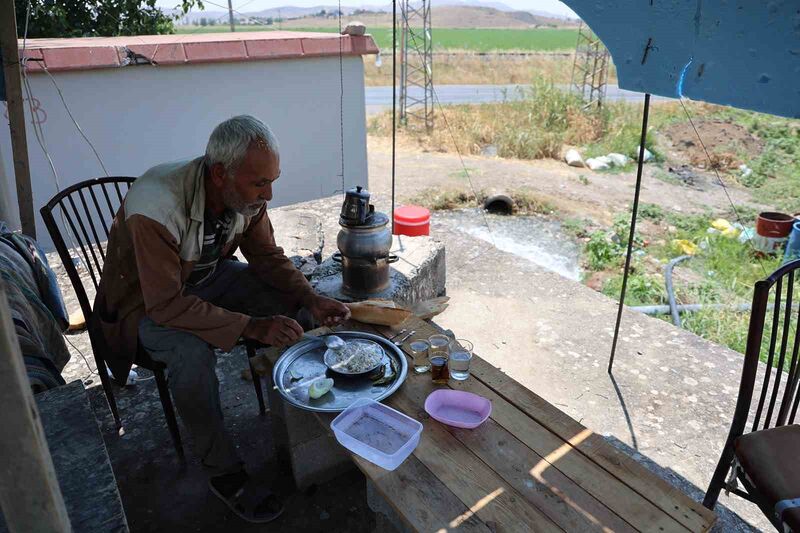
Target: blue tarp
742,53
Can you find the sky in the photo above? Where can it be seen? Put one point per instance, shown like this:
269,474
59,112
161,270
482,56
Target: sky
552,6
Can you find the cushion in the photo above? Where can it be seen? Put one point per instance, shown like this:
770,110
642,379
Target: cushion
771,459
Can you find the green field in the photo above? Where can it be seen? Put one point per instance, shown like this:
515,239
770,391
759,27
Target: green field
476,40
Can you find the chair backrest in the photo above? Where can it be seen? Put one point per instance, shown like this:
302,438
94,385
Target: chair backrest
774,333
86,211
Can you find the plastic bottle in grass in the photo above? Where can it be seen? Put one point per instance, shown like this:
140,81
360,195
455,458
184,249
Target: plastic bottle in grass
320,388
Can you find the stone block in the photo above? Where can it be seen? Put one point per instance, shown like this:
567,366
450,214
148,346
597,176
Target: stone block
418,274
318,460
386,518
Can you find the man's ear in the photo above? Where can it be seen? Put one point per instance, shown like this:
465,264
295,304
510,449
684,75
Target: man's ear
218,174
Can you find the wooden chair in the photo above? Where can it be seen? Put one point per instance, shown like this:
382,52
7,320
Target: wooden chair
765,459
87,209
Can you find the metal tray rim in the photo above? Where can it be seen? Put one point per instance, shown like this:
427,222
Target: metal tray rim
301,347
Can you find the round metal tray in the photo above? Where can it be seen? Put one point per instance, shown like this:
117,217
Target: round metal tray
306,359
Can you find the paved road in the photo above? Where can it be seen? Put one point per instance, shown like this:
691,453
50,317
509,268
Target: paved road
380,98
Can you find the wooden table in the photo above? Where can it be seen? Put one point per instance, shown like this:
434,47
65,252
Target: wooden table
530,467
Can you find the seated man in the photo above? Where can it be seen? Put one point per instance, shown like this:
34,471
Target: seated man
170,282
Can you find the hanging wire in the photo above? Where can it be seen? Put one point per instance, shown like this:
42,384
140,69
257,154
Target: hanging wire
341,97
722,184
463,166
75,122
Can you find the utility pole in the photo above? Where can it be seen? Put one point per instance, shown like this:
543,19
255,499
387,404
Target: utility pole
590,69
16,115
230,15
416,63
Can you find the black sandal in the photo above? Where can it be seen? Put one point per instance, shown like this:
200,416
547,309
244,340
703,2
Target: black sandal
251,503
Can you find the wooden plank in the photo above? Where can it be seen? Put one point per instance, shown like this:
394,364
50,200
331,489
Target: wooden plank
420,498
595,495
553,494
485,492
662,494
29,492
558,455
417,496
16,115
473,481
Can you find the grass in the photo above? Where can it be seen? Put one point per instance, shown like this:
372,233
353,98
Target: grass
468,68
724,271
537,126
476,40
533,128
776,171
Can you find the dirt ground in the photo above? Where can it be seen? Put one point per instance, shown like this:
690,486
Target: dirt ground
575,192
726,142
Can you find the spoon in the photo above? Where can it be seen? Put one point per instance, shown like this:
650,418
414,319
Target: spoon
403,340
331,341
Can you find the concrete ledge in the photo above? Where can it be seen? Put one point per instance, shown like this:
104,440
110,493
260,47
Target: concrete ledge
419,273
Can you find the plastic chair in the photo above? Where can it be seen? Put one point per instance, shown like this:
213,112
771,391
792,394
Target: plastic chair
87,209
753,457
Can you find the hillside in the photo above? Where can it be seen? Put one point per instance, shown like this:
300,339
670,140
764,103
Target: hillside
442,17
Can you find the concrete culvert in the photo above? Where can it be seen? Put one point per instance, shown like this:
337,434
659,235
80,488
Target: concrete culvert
499,204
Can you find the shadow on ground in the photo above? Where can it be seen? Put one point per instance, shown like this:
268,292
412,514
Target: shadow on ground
727,521
160,496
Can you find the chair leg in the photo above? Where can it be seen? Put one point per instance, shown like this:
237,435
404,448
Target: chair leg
718,479
169,412
105,381
251,352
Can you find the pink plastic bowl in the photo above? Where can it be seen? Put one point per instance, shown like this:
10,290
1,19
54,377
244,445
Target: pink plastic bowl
457,408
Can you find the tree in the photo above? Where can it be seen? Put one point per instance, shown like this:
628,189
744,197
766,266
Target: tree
96,18
203,21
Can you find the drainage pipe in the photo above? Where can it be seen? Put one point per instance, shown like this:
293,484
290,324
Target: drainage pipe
691,308
500,204
673,307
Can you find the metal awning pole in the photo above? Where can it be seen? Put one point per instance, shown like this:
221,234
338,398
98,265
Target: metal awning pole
634,212
394,104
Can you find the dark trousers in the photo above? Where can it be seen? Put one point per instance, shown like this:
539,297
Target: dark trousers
191,362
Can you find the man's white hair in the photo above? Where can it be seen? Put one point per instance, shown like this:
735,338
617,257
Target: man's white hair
229,141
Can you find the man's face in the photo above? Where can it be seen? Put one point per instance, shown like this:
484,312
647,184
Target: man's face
251,186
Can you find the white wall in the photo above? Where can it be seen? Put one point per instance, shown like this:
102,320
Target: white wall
140,116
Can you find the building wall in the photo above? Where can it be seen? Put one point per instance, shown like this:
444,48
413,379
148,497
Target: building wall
139,116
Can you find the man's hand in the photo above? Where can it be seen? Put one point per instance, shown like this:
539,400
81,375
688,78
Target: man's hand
327,311
276,330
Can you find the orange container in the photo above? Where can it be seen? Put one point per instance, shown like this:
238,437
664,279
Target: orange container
412,220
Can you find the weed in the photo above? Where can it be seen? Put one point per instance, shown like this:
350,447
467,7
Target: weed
529,203
441,199
583,179
652,212
576,227
601,251
642,289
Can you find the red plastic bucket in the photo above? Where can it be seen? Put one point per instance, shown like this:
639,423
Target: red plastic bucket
772,231
412,220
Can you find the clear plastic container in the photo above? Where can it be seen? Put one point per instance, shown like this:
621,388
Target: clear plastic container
378,433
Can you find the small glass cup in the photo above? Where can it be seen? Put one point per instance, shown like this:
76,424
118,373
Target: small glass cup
419,351
439,372
439,343
460,357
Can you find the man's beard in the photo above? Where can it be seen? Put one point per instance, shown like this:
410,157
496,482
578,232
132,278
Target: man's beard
235,202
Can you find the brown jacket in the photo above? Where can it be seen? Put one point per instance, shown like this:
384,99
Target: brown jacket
155,240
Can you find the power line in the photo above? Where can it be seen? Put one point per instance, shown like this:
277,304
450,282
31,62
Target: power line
722,184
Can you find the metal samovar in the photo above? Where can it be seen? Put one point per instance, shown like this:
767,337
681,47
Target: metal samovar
364,241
